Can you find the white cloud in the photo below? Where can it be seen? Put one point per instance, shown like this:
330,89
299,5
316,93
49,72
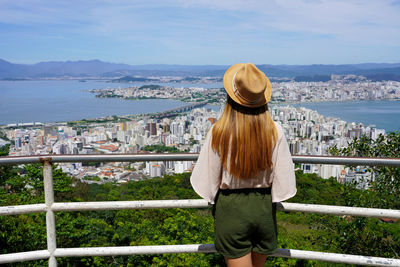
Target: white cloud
376,21
249,27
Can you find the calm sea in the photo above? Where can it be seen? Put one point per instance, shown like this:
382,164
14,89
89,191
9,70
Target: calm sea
52,101
383,114
64,100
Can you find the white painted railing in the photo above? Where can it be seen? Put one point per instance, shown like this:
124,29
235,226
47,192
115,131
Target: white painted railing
50,207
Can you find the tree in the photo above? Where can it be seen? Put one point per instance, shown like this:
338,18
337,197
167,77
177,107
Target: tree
371,236
180,226
384,189
161,148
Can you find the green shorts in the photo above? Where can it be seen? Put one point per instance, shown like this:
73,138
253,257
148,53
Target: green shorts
244,221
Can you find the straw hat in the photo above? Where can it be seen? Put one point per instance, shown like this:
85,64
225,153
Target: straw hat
247,85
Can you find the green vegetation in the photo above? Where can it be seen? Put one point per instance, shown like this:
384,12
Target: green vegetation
84,122
303,231
91,164
92,178
151,86
213,100
277,100
385,189
4,150
192,141
3,136
161,148
180,226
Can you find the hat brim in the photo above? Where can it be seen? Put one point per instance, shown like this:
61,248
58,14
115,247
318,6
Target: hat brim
228,77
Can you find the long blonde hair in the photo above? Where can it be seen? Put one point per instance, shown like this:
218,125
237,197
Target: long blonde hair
246,137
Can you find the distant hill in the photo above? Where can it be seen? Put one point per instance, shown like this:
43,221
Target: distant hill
11,70
102,69
76,67
131,79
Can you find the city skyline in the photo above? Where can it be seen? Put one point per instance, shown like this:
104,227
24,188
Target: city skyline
201,32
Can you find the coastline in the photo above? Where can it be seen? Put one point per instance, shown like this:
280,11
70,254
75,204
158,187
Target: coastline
383,114
125,117
211,104
60,101
330,101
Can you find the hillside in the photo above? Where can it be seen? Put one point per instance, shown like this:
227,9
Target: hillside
178,226
97,68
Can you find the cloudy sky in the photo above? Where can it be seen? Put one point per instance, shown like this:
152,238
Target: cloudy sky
201,31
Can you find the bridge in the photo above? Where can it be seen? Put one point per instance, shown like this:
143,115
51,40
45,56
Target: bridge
50,207
174,111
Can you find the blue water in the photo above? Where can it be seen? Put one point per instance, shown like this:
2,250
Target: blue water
383,114
64,100
52,101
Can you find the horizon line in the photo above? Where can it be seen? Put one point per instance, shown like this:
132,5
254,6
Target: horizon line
177,64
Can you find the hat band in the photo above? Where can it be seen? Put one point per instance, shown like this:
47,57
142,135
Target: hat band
237,93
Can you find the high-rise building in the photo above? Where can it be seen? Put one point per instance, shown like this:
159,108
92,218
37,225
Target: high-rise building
178,167
166,128
174,128
157,169
152,128
163,138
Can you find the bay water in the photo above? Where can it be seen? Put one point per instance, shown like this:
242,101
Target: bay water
66,100
384,114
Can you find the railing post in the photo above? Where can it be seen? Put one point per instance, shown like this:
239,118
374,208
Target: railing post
50,218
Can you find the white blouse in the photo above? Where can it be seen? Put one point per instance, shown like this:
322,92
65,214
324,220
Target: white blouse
208,174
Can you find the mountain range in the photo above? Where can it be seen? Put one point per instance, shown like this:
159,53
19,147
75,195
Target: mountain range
90,68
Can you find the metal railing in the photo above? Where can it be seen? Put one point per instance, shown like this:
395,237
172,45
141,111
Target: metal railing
50,207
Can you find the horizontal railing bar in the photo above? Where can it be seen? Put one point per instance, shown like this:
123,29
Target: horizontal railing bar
133,250
121,205
200,203
209,248
393,162
22,209
196,203
24,256
336,257
99,158
354,161
191,203
192,248
339,210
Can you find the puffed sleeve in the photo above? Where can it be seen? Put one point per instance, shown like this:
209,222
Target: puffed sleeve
206,175
283,176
